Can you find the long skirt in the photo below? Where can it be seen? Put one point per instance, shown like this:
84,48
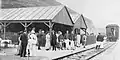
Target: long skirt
31,47
18,49
72,44
47,44
67,42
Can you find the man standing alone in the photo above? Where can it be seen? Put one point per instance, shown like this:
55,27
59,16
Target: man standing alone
99,41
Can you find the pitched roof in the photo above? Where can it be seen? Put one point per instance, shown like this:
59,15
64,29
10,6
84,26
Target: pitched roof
78,20
30,13
57,14
74,17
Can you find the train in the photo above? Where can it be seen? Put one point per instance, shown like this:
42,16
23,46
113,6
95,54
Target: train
112,32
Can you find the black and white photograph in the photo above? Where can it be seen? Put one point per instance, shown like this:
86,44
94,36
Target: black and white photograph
59,29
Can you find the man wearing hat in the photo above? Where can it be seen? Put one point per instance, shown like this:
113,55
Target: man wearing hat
24,42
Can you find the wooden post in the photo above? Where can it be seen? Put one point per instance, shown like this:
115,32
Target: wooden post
50,28
50,25
1,27
25,26
4,25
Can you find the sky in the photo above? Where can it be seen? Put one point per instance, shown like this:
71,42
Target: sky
101,12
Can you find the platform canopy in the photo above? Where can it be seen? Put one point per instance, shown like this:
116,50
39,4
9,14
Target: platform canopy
56,14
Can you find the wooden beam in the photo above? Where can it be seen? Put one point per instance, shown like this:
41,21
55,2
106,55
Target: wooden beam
52,24
22,24
84,21
26,25
1,23
8,24
47,24
29,24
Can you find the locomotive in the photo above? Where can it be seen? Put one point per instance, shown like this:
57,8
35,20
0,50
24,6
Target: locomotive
112,32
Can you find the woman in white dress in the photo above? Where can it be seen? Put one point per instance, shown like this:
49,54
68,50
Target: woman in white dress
47,45
32,44
67,44
78,39
72,45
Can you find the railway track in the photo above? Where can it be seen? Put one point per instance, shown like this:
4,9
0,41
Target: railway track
99,52
86,54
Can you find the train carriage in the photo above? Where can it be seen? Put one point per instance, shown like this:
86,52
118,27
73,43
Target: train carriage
112,32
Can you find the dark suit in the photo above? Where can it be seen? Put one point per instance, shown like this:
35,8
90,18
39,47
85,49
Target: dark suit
54,41
39,36
67,36
100,38
72,37
24,41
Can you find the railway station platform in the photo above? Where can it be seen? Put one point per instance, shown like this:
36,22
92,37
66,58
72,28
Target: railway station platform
46,55
60,53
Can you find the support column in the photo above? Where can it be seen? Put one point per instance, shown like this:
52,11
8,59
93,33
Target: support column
26,25
50,28
50,25
1,27
4,26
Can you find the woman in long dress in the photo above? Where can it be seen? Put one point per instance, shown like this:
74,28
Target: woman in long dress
32,44
78,39
47,45
67,41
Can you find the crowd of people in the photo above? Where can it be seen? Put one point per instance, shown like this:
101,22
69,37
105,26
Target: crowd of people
50,40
